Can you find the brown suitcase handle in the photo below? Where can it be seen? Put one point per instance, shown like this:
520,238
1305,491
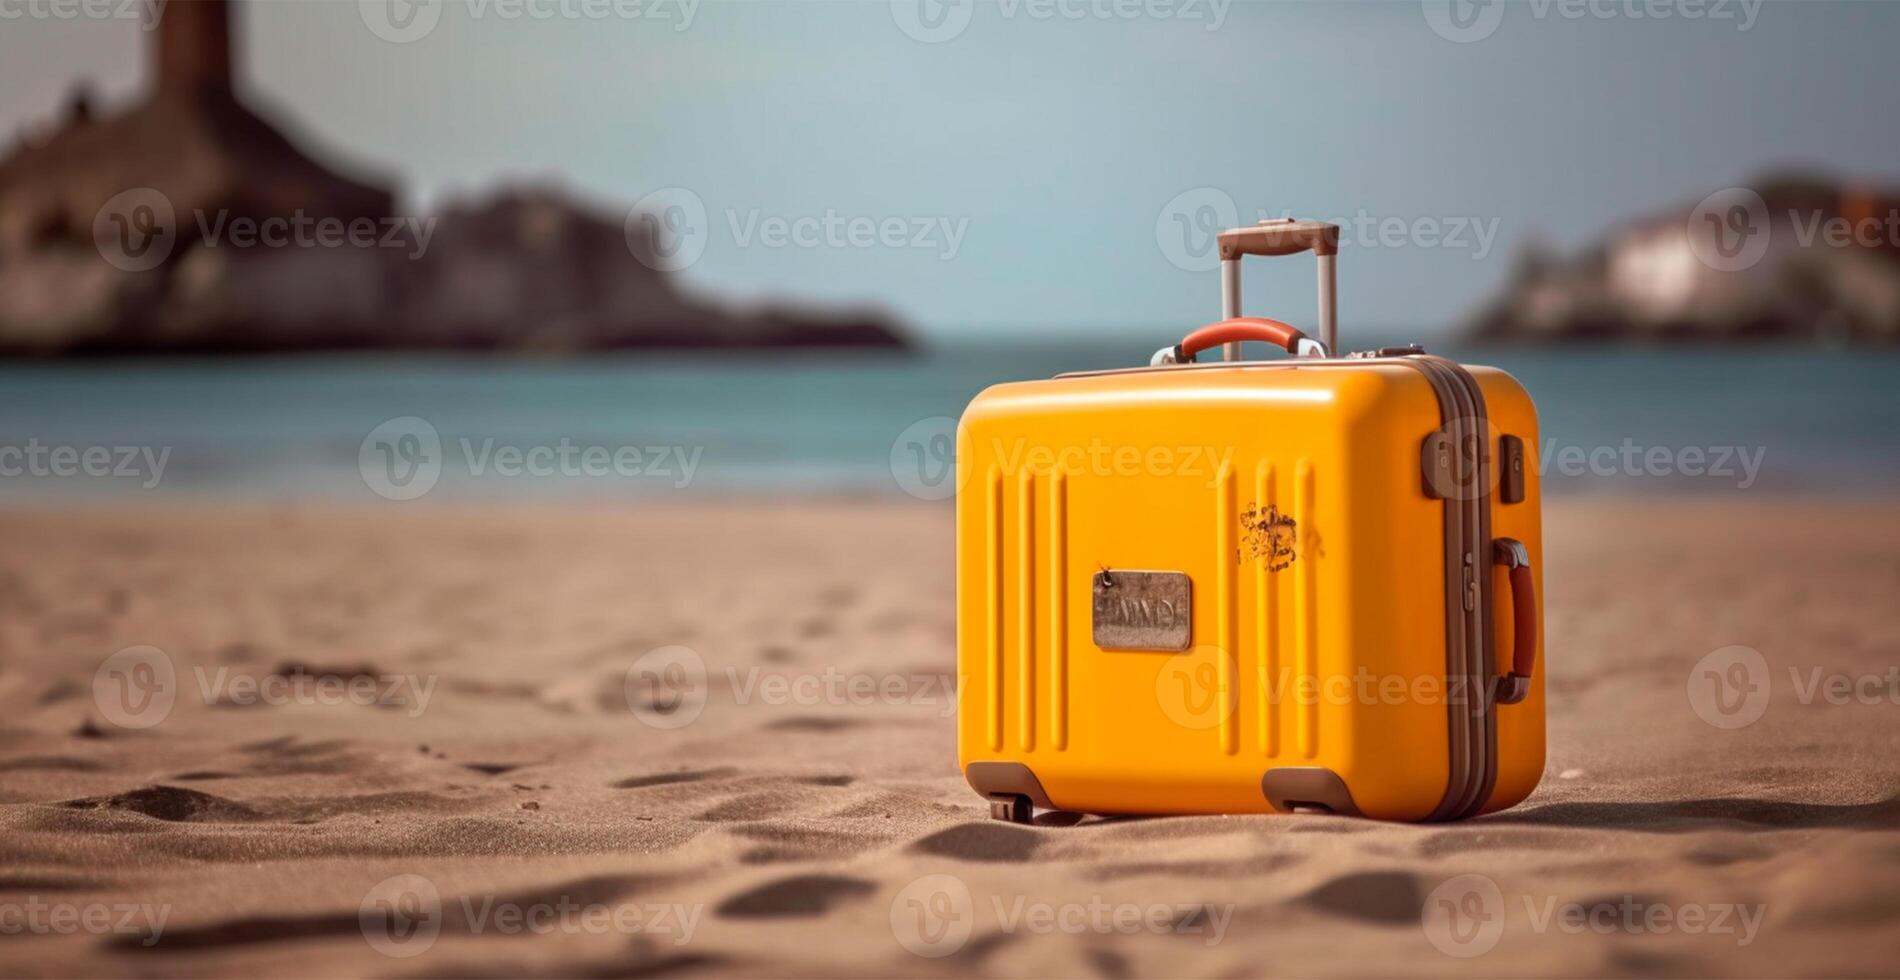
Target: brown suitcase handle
1282,236
1515,686
1229,333
1282,335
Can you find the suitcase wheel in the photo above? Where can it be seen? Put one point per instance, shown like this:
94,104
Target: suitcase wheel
1013,807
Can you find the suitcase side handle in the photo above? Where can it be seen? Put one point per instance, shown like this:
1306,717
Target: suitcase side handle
1512,554
1282,236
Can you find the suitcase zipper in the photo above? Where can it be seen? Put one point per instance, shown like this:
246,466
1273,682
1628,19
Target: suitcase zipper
1469,657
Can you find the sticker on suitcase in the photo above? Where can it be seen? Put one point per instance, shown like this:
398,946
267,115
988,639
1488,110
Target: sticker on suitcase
1270,536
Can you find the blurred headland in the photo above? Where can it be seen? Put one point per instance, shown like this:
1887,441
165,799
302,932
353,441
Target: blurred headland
1796,257
189,223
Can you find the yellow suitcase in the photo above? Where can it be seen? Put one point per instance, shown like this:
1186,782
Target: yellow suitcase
1246,586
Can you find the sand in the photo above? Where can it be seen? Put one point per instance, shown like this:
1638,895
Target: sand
533,823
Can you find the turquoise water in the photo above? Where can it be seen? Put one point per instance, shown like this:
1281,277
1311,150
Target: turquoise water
1785,420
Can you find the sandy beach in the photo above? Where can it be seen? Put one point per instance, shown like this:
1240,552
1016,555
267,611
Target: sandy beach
403,741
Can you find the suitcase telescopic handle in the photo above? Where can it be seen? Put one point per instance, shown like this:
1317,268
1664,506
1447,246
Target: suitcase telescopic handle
1282,236
1516,685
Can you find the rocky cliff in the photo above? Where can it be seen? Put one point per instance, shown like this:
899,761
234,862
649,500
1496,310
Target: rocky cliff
1804,258
187,223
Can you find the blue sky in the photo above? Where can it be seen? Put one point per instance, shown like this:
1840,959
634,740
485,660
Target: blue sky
1050,168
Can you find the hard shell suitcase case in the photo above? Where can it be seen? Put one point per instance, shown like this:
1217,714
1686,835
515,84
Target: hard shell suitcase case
1243,586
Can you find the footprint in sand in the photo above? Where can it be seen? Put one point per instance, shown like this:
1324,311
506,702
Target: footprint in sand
1383,898
788,843
675,778
48,763
171,803
814,724
804,896
992,842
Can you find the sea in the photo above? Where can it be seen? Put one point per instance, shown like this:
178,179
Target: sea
412,430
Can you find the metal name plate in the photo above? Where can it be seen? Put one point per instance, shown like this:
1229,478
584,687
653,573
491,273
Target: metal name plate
1143,610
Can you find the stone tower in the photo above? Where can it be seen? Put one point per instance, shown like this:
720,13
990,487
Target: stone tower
193,55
